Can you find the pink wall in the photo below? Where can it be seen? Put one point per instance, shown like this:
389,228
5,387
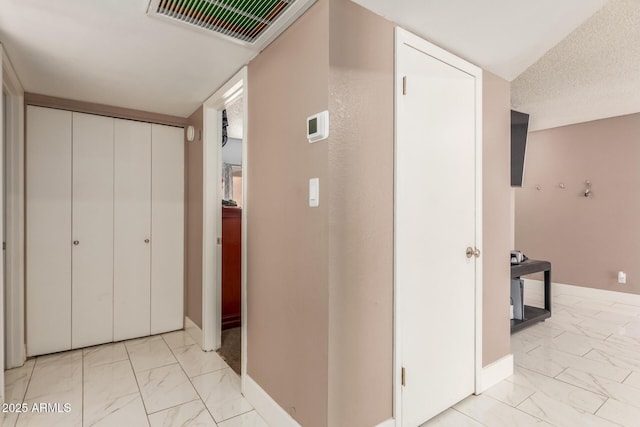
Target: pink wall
360,216
586,240
193,215
287,272
320,302
496,217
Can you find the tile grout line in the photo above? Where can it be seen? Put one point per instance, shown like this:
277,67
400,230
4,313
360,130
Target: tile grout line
191,382
468,416
135,376
244,413
600,407
205,373
174,406
535,416
26,389
606,396
626,378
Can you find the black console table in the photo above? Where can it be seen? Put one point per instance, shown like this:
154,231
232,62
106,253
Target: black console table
533,314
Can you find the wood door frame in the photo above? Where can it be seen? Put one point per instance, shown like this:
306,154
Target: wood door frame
403,37
15,263
231,91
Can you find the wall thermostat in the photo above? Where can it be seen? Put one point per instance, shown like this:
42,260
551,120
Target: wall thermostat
318,127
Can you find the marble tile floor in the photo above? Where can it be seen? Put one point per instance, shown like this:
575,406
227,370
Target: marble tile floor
160,381
579,368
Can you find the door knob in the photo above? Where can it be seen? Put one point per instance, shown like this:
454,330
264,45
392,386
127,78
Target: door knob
76,242
146,240
473,252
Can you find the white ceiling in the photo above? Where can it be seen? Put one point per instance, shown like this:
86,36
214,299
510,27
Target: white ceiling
592,74
502,36
235,119
111,52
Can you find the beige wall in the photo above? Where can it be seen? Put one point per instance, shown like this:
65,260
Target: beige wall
586,240
360,216
193,214
320,281
287,287
496,217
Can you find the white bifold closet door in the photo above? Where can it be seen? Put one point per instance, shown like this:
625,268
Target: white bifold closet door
48,230
92,260
132,230
167,228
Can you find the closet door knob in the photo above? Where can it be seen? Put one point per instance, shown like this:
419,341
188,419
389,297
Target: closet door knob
76,242
146,240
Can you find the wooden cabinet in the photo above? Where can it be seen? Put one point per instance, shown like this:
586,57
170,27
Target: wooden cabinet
231,266
104,246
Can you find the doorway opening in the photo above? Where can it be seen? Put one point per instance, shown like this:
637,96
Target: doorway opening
231,268
224,276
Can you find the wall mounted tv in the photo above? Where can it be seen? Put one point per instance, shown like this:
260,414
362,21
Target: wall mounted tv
519,130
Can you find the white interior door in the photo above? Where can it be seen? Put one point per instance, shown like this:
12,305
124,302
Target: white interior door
167,228
48,230
132,230
92,262
435,223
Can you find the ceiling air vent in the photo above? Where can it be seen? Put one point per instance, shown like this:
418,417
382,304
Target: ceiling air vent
253,23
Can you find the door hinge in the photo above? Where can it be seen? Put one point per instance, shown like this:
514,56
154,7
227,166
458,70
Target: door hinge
403,377
404,85
219,240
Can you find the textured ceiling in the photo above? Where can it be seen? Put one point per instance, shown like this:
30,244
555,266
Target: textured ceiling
502,36
592,74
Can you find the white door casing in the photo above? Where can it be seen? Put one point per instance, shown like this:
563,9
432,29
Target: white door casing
15,216
436,219
167,228
132,230
3,283
230,92
48,230
92,234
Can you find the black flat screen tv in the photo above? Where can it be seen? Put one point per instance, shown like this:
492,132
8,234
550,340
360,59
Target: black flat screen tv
519,130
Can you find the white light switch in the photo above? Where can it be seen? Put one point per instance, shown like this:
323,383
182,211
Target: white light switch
314,192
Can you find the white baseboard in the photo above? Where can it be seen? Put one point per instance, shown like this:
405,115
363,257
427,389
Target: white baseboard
495,372
268,408
188,323
584,292
388,423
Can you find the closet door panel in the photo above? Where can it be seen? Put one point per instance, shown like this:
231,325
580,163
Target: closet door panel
48,235
132,230
167,228
92,262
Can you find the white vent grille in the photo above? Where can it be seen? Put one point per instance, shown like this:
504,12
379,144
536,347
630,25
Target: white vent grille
249,22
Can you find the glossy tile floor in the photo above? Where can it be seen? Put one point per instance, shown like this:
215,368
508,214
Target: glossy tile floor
579,368
164,380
